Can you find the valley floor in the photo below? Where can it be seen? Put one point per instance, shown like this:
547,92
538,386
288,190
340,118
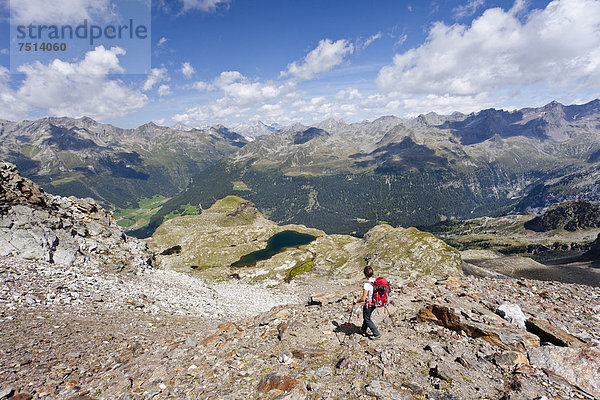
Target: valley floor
73,334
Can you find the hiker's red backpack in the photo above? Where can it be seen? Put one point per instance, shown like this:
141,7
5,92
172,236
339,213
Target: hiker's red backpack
381,291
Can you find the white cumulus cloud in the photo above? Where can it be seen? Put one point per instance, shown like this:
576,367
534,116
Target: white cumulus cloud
59,12
468,9
556,48
239,90
156,76
11,107
202,86
80,88
187,70
323,58
239,97
204,5
164,90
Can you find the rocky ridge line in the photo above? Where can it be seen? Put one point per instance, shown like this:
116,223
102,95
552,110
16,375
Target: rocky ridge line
70,231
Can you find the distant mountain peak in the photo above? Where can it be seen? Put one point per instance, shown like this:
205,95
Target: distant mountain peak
553,103
309,134
88,120
384,118
253,129
331,124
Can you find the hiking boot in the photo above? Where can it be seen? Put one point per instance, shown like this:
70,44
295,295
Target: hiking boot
375,337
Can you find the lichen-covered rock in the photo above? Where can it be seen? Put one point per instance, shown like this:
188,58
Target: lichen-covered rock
410,252
70,231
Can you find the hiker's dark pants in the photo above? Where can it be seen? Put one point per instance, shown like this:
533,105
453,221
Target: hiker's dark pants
367,311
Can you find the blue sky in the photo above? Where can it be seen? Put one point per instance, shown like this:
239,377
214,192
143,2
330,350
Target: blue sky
231,61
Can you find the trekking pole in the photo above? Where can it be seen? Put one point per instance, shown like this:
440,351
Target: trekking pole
349,318
390,315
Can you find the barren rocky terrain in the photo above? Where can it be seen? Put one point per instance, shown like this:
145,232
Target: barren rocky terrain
68,333
86,314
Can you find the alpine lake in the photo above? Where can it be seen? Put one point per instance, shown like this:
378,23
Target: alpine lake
276,244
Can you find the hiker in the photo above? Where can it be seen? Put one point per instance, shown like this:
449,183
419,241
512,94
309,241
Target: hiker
368,307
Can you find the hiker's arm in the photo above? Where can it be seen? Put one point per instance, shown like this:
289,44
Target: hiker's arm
363,298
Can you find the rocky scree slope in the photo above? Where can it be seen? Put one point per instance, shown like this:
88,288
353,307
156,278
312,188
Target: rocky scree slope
69,231
445,339
86,291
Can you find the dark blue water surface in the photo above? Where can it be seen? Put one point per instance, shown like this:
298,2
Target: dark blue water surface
276,244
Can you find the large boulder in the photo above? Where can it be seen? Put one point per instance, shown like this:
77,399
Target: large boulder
594,252
69,231
579,366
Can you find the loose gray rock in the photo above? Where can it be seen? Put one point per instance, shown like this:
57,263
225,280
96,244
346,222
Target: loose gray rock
512,313
578,366
6,392
385,390
323,371
286,357
69,231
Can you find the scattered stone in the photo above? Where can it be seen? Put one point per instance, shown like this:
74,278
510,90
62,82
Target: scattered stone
343,363
6,393
48,390
512,313
282,328
324,298
502,336
551,333
229,327
308,353
21,396
579,366
385,390
510,359
286,357
324,371
451,281
280,382
444,372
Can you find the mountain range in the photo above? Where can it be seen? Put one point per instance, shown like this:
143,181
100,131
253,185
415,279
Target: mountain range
345,178
336,176
115,166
